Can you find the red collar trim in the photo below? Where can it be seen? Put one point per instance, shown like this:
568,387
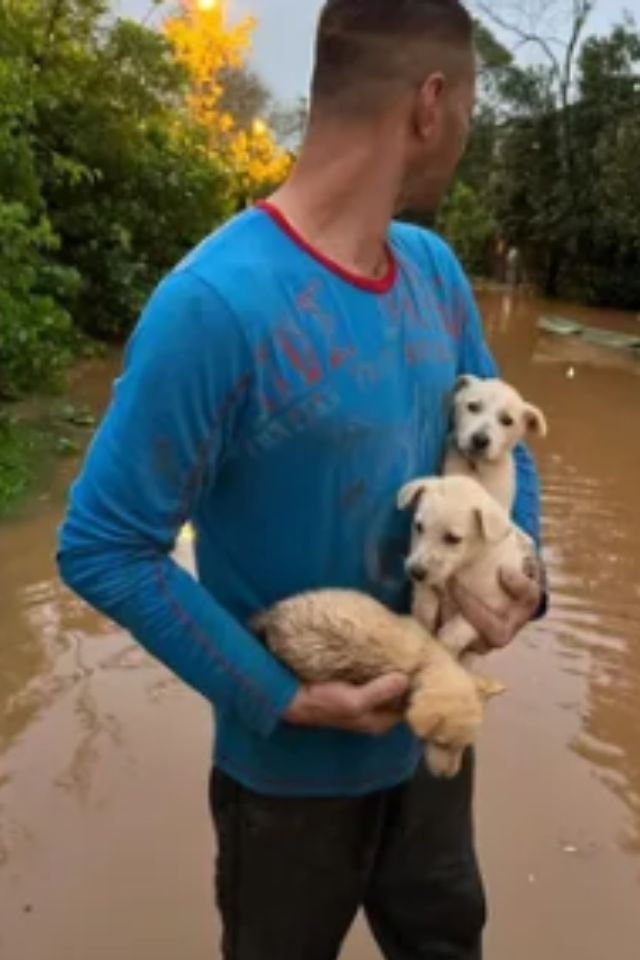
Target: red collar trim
381,285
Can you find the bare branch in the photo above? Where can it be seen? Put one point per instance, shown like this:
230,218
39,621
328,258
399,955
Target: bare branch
557,41
582,10
524,36
560,53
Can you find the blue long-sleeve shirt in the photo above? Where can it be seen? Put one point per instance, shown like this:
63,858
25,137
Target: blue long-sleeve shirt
277,403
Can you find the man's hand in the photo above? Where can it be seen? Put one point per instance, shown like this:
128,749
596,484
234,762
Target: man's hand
374,708
499,630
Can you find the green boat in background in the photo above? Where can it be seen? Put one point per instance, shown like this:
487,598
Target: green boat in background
597,336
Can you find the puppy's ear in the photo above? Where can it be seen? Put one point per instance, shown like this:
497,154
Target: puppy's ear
412,494
260,623
535,421
493,522
463,382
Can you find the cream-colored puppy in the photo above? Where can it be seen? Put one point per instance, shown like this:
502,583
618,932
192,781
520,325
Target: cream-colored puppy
343,635
489,419
460,532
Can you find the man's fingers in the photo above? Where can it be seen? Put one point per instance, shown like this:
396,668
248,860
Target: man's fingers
481,647
476,610
381,692
379,722
520,588
467,600
497,630
374,708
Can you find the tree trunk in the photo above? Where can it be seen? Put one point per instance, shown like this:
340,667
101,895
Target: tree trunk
552,277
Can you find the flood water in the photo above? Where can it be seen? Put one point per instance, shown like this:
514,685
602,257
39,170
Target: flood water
105,843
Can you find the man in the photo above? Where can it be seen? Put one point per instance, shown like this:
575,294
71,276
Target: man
513,268
284,382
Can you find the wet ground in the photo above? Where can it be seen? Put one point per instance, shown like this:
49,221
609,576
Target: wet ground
104,838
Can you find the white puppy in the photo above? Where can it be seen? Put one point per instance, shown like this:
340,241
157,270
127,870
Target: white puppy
460,532
489,419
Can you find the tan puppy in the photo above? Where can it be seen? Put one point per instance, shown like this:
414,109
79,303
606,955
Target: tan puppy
461,532
489,419
343,635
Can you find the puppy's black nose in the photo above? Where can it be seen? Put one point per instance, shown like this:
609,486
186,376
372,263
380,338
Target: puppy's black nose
418,574
480,441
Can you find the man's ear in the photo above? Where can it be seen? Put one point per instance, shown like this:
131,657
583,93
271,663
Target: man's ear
429,108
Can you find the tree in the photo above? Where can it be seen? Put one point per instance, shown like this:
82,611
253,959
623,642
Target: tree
547,98
126,179
120,147
243,96
607,125
35,326
467,222
468,217
211,50
290,122
554,151
533,23
99,160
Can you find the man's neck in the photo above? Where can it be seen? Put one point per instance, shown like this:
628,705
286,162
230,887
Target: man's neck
341,197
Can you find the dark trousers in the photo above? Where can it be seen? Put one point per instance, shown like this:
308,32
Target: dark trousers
292,873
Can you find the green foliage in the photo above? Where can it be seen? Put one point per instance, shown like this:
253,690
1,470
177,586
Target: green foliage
128,185
607,212
35,327
552,168
21,448
35,330
104,183
469,225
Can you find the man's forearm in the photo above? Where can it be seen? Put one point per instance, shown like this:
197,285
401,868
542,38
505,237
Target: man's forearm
184,627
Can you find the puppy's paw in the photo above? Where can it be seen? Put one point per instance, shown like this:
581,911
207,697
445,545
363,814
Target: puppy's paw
426,607
444,762
446,710
457,635
488,687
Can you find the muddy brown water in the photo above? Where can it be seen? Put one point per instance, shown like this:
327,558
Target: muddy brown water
105,843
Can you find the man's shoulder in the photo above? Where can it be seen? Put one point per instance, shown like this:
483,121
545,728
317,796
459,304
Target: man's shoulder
425,246
203,297
230,254
244,265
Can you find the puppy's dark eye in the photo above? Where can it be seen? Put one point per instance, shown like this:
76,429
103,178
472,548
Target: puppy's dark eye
452,540
418,526
506,420
474,407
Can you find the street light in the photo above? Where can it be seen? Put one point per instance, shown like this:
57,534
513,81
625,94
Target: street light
204,6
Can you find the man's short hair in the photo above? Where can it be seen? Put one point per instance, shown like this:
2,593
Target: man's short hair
366,48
